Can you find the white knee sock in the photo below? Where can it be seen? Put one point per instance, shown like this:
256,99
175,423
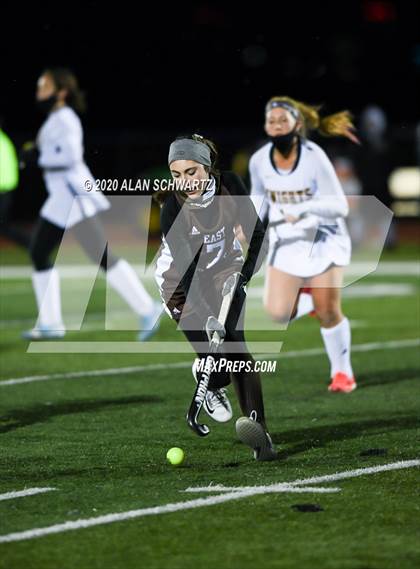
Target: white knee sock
47,293
124,280
337,342
305,305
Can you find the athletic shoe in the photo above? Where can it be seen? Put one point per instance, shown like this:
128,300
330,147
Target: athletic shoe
254,435
44,333
342,382
149,325
216,403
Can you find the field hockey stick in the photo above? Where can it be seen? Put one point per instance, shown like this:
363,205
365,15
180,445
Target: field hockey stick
215,344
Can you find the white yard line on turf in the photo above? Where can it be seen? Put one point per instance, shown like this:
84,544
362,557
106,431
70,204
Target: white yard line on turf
314,479
191,504
23,493
367,347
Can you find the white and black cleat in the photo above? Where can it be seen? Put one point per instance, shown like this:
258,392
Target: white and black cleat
216,403
253,434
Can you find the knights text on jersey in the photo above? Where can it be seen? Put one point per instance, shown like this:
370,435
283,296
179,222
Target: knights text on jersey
311,190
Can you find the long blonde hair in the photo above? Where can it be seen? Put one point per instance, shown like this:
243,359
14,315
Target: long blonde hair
337,124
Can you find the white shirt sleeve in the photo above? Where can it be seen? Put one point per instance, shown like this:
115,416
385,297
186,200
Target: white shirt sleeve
258,196
330,200
62,146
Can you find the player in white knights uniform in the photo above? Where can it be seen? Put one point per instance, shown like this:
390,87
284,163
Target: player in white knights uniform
59,147
296,191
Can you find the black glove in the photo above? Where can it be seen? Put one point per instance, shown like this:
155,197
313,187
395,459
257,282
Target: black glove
242,282
28,155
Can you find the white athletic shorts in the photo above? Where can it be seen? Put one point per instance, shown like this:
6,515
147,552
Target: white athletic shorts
68,201
308,258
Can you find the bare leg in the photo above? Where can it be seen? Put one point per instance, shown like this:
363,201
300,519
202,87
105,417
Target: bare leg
281,294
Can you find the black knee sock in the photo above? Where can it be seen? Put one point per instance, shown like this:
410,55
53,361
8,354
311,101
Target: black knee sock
45,238
249,392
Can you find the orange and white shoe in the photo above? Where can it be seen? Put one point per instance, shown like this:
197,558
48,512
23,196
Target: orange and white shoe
343,383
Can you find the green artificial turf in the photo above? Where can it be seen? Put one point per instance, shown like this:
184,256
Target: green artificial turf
101,442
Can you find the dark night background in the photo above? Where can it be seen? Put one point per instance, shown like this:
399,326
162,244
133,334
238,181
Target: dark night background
152,71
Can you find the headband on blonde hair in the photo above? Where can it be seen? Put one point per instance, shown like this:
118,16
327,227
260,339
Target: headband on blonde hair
337,124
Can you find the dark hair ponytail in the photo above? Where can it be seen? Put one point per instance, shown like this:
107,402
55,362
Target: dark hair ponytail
65,79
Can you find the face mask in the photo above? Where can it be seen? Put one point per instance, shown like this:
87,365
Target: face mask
284,142
206,197
46,105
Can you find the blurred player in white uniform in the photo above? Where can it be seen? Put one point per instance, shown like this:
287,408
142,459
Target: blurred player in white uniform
296,191
59,147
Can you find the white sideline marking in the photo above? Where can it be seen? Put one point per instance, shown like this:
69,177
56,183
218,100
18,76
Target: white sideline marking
77,271
23,493
190,504
369,346
67,271
118,316
118,319
93,373
256,292
315,479
378,290
357,291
